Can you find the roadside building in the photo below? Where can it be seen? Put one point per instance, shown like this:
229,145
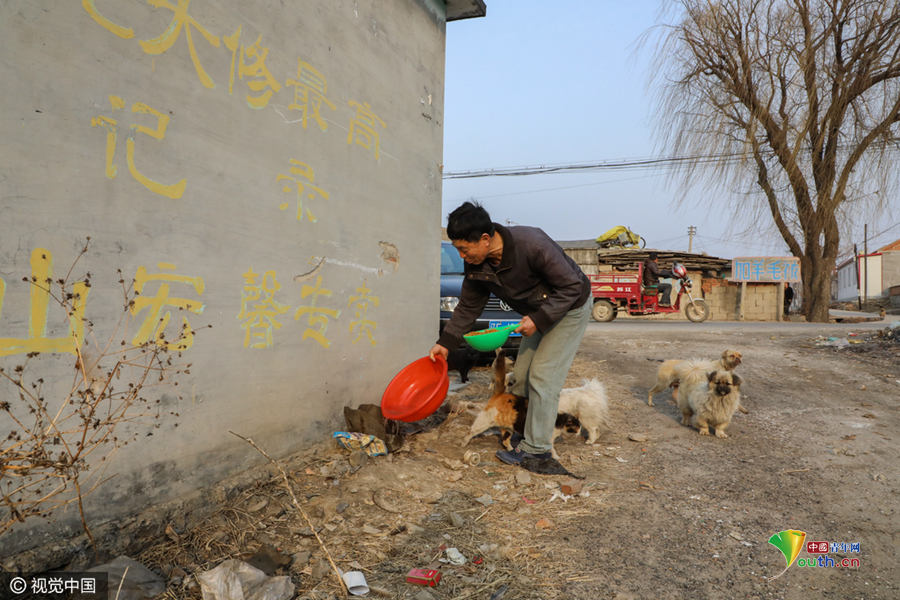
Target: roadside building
266,175
869,277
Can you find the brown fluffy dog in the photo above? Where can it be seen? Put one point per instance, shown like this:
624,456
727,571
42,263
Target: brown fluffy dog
710,400
667,375
508,412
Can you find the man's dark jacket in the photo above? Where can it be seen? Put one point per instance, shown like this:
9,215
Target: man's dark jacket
652,273
535,277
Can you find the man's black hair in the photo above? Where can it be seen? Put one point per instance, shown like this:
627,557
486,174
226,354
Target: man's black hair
469,222
654,256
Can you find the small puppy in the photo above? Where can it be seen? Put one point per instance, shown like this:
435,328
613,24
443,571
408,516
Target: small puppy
711,400
508,412
462,361
667,375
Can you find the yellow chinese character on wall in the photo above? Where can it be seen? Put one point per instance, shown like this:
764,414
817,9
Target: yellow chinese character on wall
123,32
181,19
174,190
310,88
111,126
365,325
259,308
304,173
37,340
362,128
155,321
317,316
257,68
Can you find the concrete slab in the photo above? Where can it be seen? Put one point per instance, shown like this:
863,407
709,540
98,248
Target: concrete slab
852,314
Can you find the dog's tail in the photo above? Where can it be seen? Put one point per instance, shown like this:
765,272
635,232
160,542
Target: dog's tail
667,371
498,369
595,389
694,370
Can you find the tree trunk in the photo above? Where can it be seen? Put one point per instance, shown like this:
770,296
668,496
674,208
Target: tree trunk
819,296
816,284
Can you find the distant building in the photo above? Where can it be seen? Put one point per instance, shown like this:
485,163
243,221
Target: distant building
868,276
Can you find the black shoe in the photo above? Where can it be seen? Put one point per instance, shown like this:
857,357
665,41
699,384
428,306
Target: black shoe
515,456
546,466
514,440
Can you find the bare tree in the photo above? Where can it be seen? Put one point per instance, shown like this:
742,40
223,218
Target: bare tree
792,106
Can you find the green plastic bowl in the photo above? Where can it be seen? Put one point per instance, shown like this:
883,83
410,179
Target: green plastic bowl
485,342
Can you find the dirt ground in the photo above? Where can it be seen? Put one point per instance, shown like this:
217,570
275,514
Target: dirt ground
677,515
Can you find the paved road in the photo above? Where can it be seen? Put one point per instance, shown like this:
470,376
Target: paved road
624,325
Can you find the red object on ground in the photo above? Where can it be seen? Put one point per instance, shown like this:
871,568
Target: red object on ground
416,391
429,577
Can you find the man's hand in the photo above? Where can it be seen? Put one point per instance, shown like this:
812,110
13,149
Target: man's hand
526,327
438,350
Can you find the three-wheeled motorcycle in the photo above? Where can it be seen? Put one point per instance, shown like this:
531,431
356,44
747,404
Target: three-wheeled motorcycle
623,290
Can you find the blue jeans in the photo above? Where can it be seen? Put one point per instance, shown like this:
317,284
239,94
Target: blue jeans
540,372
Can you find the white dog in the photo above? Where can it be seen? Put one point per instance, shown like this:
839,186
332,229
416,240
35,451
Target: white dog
587,403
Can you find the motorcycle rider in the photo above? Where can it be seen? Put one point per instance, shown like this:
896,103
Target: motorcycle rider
651,276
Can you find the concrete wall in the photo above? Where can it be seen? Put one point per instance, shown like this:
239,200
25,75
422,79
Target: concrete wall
220,159
847,280
890,270
872,283
586,259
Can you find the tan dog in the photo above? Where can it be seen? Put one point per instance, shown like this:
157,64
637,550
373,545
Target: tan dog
667,375
508,412
711,400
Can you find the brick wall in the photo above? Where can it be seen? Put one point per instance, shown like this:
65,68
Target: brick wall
724,300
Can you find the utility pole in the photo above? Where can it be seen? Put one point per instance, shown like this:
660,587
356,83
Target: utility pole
856,268
866,264
692,231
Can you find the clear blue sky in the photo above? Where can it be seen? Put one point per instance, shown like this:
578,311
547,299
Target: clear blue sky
536,83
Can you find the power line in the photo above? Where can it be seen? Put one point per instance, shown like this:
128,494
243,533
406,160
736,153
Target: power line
554,189
625,164
889,229
671,239
723,241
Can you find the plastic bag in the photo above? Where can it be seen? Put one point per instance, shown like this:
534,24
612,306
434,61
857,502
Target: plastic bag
128,579
236,580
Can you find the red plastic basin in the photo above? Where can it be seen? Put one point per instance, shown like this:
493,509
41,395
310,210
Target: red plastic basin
416,391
